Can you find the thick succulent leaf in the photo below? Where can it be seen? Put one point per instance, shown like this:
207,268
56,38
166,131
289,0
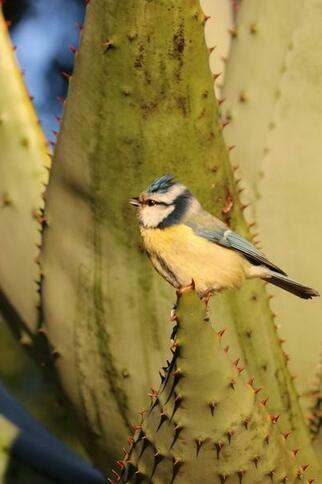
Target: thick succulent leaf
104,306
144,108
256,64
24,163
206,421
273,95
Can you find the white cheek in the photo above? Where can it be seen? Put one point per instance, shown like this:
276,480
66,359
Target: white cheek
151,216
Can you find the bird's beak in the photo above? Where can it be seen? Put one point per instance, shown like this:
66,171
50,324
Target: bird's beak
134,201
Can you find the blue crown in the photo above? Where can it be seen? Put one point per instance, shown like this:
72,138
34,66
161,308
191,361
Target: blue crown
162,184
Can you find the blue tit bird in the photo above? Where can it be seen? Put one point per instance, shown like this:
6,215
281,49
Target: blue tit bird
185,243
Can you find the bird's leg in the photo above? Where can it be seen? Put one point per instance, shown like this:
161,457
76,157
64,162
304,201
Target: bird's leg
183,289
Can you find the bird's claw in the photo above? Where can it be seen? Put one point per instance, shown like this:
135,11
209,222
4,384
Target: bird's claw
183,289
206,297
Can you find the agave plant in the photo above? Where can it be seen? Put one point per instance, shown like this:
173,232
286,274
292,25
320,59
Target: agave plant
87,305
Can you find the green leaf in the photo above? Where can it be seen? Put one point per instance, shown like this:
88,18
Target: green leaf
24,163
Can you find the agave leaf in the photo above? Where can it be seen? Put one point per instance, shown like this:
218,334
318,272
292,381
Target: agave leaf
140,110
219,29
273,97
24,163
206,419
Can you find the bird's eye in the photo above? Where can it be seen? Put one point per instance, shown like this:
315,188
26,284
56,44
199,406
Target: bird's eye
150,203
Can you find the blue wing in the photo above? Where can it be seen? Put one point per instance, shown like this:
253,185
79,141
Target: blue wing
217,232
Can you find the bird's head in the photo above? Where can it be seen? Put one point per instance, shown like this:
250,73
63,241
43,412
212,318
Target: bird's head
165,202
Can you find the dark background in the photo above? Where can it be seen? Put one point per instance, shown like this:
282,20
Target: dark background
43,31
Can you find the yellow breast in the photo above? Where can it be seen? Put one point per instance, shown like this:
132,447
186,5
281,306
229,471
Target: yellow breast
188,256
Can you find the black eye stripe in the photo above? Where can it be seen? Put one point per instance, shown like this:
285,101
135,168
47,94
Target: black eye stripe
164,203
150,203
